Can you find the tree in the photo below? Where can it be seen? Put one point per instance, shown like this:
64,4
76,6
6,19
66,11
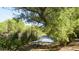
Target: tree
59,22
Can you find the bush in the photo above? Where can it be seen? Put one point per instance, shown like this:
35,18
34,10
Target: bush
15,35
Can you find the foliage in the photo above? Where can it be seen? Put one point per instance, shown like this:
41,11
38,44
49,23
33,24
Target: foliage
60,23
16,34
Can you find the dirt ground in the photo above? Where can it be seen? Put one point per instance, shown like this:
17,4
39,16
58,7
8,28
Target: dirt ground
74,46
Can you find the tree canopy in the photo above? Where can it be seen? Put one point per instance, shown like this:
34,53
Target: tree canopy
60,22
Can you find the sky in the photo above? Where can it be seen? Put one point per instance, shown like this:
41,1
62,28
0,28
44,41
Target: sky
5,14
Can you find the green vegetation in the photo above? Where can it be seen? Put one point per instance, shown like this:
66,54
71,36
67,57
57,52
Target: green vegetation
15,34
61,24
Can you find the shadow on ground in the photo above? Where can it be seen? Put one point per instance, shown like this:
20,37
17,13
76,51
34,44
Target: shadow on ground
36,47
73,46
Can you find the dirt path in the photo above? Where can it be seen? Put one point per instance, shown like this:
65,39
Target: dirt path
74,46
